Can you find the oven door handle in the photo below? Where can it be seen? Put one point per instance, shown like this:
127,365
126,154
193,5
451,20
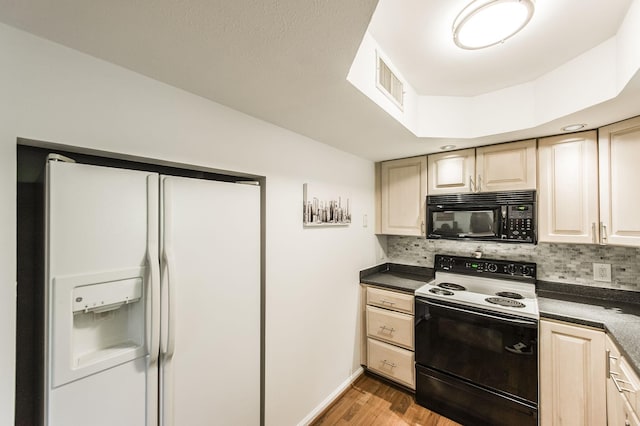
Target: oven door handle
510,320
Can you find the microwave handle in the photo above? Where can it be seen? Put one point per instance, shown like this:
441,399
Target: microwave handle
503,222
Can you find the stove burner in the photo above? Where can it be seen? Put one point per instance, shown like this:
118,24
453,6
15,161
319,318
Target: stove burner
441,291
502,301
509,294
451,286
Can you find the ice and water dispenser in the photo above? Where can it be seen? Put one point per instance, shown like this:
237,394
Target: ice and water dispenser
98,322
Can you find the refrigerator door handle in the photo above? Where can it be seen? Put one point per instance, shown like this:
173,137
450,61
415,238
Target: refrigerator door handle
153,317
169,343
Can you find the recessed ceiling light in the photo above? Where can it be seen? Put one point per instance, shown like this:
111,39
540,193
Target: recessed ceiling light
446,147
484,23
573,127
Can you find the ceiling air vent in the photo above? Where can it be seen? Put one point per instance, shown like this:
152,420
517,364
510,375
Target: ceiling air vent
389,83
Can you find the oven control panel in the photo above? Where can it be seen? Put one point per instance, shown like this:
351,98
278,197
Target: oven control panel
485,267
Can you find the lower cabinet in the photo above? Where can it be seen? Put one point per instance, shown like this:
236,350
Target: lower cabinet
623,389
391,361
572,375
389,329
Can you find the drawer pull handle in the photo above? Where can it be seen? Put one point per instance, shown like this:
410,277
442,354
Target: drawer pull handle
387,302
390,364
617,382
384,328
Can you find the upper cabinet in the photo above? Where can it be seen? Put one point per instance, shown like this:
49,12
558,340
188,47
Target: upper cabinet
568,188
619,152
587,190
451,172
504,167
403,191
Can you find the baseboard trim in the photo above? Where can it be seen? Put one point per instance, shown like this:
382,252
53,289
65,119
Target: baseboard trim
329,400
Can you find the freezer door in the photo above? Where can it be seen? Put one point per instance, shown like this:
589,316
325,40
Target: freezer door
101,282
211,294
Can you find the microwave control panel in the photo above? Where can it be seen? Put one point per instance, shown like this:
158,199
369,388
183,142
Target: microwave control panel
520,222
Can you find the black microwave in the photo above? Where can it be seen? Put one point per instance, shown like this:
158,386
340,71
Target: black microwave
508,216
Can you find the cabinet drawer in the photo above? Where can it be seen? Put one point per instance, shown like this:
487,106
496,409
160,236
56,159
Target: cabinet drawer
390,326
630,417
631,385
390,299
392,362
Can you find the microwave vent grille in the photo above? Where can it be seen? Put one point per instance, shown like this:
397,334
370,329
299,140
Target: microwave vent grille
489,198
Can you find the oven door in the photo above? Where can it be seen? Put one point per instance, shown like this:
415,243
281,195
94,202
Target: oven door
488,349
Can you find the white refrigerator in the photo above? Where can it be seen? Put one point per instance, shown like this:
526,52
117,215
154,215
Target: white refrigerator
152,299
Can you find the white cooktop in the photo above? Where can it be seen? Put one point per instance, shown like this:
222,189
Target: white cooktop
478,289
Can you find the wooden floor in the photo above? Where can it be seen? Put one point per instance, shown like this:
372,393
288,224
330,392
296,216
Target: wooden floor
370,401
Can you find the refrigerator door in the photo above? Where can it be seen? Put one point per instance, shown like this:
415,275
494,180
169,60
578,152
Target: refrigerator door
101,252
210,341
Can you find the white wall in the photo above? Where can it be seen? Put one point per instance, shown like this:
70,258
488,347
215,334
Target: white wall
55,94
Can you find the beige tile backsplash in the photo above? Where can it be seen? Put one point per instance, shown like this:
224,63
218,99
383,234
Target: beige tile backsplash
567,263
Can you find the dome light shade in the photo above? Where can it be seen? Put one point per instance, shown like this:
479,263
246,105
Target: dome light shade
573,127
485,23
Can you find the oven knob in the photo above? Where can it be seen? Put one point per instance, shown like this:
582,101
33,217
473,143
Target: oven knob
492,267
446,263
511,268
526,271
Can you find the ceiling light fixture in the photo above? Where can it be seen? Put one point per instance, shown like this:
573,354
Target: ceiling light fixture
485,23
447,147
573,127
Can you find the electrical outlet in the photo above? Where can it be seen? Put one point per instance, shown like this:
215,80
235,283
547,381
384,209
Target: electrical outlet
364,221
602,272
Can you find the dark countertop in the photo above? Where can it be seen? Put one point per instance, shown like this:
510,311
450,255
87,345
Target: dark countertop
397,277
615,311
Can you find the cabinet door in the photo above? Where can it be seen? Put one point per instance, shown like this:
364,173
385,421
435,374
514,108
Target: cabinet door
506,167
452,172
568,190
619,151
572,375
403,196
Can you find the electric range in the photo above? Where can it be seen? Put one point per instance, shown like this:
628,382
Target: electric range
476,341
494,285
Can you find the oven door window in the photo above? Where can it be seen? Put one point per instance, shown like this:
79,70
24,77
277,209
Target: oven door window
480,347
464,223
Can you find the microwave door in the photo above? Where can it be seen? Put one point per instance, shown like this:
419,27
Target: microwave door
472,223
